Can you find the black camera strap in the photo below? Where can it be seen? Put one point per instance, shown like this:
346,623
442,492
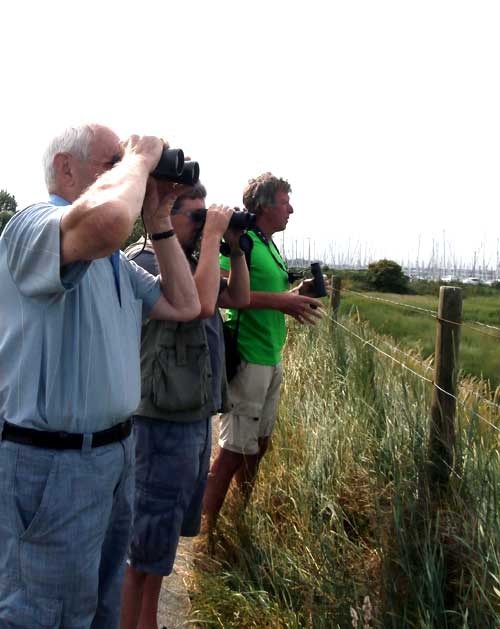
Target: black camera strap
279,261
247,248
246,243
233,358
264,239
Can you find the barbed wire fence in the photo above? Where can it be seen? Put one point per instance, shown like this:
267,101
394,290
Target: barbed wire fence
443,380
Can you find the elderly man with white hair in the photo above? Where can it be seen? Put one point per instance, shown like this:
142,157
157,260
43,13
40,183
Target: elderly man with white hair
71,306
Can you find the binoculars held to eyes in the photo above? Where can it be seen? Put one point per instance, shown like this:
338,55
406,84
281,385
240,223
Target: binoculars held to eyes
172,167
239,220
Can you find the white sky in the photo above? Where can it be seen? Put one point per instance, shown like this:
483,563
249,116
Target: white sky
383,115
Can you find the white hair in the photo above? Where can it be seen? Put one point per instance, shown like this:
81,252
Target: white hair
73,140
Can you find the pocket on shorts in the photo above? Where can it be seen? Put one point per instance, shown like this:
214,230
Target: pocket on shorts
157,522
25,610
33,479
247,391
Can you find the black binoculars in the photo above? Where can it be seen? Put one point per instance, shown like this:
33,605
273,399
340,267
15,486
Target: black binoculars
319,282
172,167
239,219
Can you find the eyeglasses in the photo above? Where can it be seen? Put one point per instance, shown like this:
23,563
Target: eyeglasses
196,216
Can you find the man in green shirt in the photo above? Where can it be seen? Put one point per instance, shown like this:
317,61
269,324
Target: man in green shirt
261,332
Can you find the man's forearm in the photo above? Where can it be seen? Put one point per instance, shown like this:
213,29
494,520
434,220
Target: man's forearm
207,277
260,300
271,301
101,219
125,182
177,282
238,286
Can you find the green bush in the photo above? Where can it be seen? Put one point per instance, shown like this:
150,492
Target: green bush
5,216
387,276
8,202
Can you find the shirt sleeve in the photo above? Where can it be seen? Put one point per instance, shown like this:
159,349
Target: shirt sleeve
33,242
146,286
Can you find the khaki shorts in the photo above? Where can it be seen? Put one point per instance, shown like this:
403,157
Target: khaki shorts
254,394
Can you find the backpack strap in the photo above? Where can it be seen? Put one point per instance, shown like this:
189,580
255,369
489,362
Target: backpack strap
246,244
138,246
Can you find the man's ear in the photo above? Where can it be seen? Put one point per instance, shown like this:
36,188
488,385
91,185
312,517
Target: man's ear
63,167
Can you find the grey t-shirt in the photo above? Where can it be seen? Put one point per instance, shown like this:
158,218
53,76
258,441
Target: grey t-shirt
69,351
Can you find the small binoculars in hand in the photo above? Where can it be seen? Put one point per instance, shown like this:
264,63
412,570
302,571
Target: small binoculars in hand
319,282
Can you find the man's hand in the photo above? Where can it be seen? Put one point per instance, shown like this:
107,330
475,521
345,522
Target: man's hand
158,203
299,307
148,148
306,287
217,220
232,237
160,195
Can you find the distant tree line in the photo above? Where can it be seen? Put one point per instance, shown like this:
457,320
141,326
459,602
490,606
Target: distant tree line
385,276
8,205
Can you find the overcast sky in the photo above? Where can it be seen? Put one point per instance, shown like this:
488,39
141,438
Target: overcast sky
383,115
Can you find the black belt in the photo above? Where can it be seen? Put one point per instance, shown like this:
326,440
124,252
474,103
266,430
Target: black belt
64,440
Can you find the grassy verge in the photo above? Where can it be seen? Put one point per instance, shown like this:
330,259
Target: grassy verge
479,349
343,510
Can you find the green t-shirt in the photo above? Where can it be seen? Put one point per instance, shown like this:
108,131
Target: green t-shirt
262,333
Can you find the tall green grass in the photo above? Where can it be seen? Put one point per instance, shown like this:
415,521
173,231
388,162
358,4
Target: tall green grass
343,509
480,348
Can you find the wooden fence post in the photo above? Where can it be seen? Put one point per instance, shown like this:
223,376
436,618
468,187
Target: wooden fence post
442,428
336,288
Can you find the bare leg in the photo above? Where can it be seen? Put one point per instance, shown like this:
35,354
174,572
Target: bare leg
133,587
150,597
224,467
247,472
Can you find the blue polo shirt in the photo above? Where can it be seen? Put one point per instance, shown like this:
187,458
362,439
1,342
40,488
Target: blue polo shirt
69,350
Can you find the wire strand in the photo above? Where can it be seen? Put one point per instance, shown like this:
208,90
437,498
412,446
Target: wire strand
483,332
391,301
486,325
466,324
408,355
480,397
371,344
381,351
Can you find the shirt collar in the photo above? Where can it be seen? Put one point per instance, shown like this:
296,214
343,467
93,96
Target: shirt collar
55,199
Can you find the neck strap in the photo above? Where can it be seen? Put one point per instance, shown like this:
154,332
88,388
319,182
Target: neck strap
264,239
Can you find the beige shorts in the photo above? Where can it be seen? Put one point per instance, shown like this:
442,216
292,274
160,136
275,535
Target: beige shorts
254,394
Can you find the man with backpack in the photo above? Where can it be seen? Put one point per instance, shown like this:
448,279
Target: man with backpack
183,384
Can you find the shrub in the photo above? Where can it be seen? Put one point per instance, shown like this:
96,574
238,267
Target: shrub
5,216
387,276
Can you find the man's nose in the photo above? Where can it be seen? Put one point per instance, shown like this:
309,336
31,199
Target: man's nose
290,209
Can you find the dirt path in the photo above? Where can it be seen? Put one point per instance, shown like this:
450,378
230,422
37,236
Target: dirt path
175,606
